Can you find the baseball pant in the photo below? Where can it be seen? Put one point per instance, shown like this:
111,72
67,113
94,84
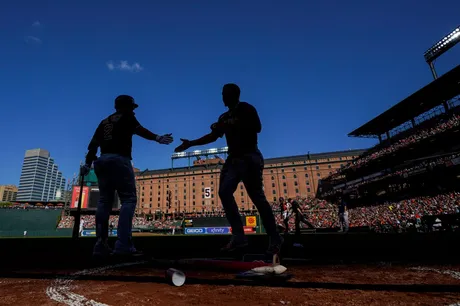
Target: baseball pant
249,169
286,218
343,221
298,219
115,173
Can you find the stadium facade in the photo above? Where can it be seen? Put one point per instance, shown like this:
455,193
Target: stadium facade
196,188
40,179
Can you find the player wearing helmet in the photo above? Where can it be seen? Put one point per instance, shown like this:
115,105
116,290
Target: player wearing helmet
114,172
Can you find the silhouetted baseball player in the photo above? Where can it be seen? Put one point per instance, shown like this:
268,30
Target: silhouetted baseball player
114,172
299,216
343,214
240,125
285,213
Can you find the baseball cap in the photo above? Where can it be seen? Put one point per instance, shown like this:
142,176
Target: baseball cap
124,101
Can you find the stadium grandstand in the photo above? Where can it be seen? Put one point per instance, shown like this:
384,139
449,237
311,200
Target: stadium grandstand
411,177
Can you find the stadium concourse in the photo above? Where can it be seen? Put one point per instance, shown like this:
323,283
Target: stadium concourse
403,201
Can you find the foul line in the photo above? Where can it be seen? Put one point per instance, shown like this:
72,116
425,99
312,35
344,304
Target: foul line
451,273
60,288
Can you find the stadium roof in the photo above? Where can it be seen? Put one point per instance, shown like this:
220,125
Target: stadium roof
276,160
442,89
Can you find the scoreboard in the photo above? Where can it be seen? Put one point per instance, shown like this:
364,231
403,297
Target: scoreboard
90,198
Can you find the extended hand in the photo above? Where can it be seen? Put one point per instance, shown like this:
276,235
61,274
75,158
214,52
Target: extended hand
165,139
184,146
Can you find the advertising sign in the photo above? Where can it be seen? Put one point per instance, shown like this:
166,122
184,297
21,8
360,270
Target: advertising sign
218,230
251,221
92,233
195,231
214,230
188,222
247,229
76,197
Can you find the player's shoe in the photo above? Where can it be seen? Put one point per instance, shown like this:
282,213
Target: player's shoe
235,244
126,252
102,249
275,246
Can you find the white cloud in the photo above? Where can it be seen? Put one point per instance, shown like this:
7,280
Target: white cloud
36,24
33,39
124,66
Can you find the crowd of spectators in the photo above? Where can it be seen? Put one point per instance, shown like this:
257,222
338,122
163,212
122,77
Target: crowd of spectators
405,213
89,221
397,215
402,172
442,126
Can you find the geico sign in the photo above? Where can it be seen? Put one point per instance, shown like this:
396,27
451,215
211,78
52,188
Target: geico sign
194,231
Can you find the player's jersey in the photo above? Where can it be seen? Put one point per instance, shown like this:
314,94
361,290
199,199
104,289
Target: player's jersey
240,127
342,207
295,206
114,134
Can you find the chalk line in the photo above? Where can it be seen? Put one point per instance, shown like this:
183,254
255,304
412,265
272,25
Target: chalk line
60,288
451,273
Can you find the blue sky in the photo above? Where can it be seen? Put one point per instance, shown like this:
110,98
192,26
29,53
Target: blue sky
315,70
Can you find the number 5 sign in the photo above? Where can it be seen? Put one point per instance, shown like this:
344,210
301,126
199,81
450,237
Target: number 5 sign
207,193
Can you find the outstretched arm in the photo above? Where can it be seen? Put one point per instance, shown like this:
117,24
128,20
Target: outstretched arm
206,139
217,130
146,134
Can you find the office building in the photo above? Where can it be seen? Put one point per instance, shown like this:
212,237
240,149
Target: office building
40,178
8,193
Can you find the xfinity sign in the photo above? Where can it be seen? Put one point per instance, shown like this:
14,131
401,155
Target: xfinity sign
195,231
217,230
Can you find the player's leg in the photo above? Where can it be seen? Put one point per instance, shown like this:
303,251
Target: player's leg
253,181
126,188
305,221
286,222
345,221
298,219
340,222
103,170
229,180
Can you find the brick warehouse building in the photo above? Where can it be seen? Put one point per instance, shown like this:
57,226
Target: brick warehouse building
195,188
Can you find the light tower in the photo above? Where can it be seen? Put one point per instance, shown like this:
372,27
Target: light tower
441,47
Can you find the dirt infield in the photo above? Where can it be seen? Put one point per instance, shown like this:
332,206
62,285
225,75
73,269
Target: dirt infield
139,284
